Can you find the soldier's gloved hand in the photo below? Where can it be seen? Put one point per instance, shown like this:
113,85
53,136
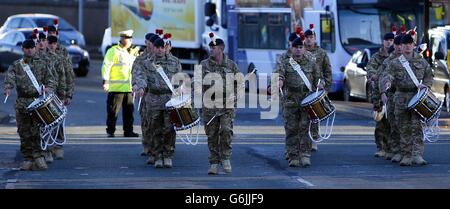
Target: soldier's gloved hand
384,98
140,92
280,84
46,90
67,101
7,92
421,86
320,86
106,87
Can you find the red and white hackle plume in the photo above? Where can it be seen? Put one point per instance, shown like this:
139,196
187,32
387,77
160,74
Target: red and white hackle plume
394,30
403,30
35,35
55,23
167,39
159,32
45,29
298,31
311,27
212,37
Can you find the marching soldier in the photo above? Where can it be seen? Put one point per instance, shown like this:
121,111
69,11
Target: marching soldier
27,75
157,94
116,73
382,129
296,119
218,118
411,133
138,65
393,140
323,62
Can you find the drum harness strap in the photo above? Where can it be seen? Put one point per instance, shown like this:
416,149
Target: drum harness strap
48,134
430,129
328,127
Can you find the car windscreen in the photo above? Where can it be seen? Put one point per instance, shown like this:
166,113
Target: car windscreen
62,24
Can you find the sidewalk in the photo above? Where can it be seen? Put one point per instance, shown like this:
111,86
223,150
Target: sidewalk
365,109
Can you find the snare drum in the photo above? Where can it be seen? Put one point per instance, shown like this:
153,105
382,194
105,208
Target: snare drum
182,115
47,111
426,104
318,106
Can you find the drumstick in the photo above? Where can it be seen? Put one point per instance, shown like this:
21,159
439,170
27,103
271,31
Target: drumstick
134,96
281,91
139,104
6,98
317,89
210,120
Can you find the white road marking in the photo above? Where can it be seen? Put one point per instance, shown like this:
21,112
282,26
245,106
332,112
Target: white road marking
303,181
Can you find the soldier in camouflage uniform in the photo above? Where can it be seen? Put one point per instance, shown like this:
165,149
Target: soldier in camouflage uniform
220,116
411,133
296,121
323,62
382,129
138,65
393,140
157,94
27,128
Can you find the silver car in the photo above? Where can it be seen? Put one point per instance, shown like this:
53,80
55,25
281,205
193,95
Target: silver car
39,21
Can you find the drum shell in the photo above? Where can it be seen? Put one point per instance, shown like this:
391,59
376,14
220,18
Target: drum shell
427,106
48,111
320,108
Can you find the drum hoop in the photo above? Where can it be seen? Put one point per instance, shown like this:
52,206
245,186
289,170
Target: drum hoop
188,126
182,104
321,95
432,116
418,100
40,103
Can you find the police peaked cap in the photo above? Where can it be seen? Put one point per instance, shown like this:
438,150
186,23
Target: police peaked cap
158,42
28,44
297,42
388,36
407,39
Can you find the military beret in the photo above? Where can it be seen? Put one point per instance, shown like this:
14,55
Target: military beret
42,36
297,42
398,40
52,39
407,39
388,36
51,28
292,37
158,42
219,42
148,36
153,38
310,31
28,44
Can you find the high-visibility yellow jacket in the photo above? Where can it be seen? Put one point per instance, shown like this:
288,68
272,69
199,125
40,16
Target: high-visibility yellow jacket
116,69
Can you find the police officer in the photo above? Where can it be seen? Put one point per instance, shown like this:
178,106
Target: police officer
157,94
411,133
296,119
218,118
28,87
393,140
382,128
116,73
137,66
323,63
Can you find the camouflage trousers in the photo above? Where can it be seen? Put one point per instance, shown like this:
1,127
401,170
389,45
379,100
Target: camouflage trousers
393,140
219,132
409,126
296,125
146,131
161,134
28,131
382,132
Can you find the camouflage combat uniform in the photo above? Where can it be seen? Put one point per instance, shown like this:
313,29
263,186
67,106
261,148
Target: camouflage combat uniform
393,139
382,128
27,128
296,121
138,65
157,94
220,129
411,133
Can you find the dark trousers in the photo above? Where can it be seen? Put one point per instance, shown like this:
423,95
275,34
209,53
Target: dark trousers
113,103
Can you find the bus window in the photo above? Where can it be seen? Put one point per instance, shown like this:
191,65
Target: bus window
263,30
327,32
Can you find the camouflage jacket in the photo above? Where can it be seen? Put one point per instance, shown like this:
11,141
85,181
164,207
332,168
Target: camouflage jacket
398,77
138,65
18,78
210,68
375,62
56,62
67,66
148,78
294,88
382,72
323,62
